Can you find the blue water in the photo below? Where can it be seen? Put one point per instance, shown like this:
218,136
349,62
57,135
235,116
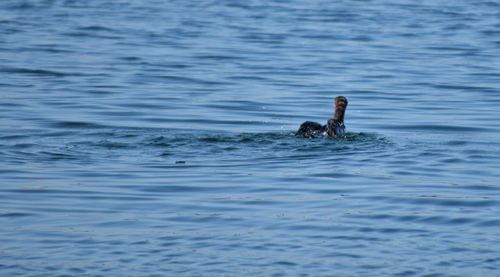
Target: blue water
156,138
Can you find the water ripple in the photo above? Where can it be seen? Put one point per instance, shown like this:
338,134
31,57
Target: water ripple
156,138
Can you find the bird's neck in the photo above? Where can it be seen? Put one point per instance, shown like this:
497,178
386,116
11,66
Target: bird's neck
339,114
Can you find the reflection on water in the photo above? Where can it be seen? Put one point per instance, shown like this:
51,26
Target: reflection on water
157,138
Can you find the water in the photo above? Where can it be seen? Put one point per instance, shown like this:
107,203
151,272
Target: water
155,138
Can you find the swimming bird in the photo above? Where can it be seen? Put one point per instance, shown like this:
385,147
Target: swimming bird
334,126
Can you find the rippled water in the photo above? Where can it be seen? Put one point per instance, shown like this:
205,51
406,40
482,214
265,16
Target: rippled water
155,138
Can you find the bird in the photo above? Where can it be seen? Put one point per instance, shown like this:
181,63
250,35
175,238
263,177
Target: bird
334,126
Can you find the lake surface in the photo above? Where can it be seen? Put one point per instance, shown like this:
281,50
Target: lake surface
156,138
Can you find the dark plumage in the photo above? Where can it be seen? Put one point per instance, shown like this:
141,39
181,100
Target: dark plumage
311,129
335,125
